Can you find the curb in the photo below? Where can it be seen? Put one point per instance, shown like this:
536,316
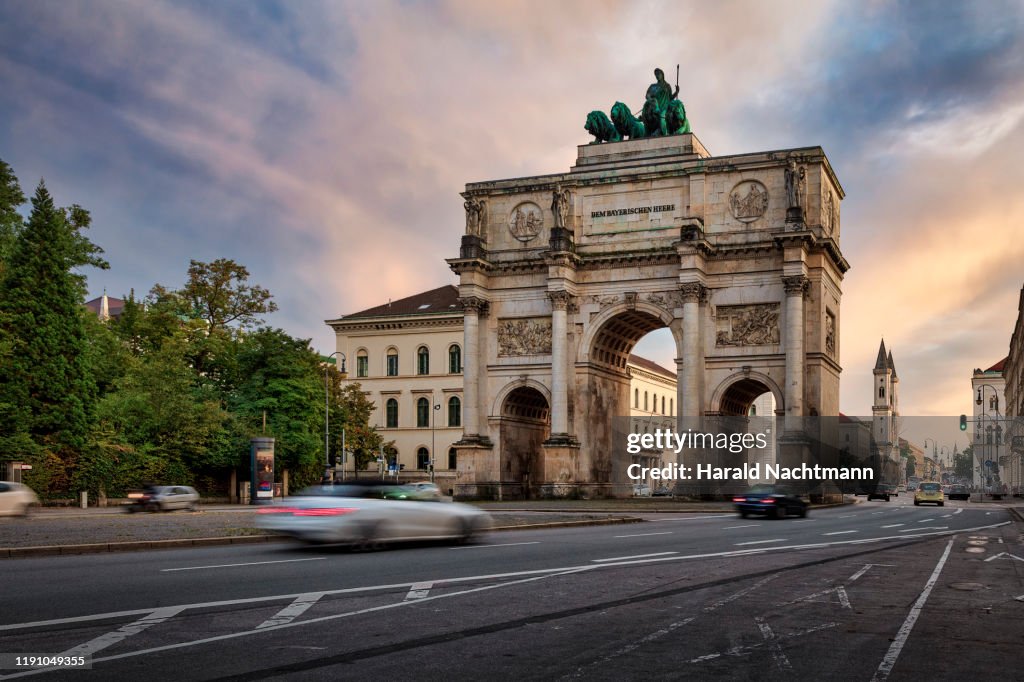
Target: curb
1017,513
107,547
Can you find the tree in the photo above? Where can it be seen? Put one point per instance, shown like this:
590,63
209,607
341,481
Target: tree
11,223
45,380
350,412
963,464
911,466
218,293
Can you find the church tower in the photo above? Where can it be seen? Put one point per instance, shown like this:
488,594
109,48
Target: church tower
885,408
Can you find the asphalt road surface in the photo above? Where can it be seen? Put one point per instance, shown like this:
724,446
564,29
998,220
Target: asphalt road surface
868,592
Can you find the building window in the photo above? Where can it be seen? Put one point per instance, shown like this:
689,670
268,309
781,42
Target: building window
452,459
423,360
645,401
392,363
423,459
422,413
391,414
881,391
636,398
663,404
993,403
362,365
454,360
671,406
454,411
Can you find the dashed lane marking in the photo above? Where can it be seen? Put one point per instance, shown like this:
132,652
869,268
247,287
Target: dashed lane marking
894,525
760,542
911,530
293,610
507,544
752,525
643,535
841,532
419,591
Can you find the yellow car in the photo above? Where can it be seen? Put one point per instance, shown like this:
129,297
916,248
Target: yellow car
929,492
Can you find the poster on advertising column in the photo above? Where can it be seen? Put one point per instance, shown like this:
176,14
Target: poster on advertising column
262,459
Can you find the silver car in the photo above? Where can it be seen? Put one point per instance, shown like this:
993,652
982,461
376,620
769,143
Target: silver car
163,498
15,499
368,514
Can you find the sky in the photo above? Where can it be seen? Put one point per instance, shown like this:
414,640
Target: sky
323,145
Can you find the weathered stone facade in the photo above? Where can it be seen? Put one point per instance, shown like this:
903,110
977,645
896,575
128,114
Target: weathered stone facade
741,265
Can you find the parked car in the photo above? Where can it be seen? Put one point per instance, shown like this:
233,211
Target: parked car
16,498
771,500
368,514
929,492
641,490
663,491
163,498
958,492
881,492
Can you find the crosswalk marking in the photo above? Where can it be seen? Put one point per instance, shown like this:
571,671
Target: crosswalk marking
419,591
103,641
293,610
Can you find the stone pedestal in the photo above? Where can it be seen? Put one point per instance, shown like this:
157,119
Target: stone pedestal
561,471
477,476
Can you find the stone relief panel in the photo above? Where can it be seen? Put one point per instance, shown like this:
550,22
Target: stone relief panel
665,299
525,221
748,201
604,301
830,213
524,336
747,325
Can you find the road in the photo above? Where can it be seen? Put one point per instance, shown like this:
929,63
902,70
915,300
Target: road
867,592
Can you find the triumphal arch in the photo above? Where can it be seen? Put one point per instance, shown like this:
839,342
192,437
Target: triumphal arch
560,276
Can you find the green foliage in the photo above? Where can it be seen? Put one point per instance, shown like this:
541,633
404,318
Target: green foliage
911,466
351,412
45,378
218,293
963,463
280,377
11,223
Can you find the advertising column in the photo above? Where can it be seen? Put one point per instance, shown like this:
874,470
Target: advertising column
262,460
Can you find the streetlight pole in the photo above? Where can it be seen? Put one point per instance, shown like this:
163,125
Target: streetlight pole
433,439
327,414
997,433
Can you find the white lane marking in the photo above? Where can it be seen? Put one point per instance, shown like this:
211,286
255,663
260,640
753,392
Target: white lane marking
292,611
493,576
699,517
251,563
841,532
924,520
894,525
911,530
1005,554
235,635
881,512
668,629
643,535
507,544
846,516
946,516
740,650
638,556
778,654
760,542
123,632
958,511
901,637
862,571
844,598
1000,540
752,525
418,591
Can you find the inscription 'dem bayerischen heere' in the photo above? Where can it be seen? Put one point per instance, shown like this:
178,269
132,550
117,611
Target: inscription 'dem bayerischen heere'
632,210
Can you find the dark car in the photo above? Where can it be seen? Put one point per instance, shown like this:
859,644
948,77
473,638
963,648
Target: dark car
882,492
958,492
771,500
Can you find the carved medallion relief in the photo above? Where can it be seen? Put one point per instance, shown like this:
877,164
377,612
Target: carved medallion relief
747,325
524,336
748,201
526,221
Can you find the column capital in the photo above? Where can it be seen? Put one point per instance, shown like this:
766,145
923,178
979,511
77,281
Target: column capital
693,292
797,284
474,304
560,300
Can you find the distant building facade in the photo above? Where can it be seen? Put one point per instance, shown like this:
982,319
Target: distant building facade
988,426
1013,375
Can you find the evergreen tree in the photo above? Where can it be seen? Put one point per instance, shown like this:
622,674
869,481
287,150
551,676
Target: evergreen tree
44,376
11,222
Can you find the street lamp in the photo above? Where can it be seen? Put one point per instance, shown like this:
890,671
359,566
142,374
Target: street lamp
327,415
433,440
985,433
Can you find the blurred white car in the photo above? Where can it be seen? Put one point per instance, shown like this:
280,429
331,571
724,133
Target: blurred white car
370,513
15,499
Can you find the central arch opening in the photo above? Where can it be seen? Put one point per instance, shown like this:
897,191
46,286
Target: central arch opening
525,425
749,406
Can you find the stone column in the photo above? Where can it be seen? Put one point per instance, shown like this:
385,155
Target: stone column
560,301
474,307
690,402
796,286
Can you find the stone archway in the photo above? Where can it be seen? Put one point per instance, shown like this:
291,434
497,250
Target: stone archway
524,424
740,263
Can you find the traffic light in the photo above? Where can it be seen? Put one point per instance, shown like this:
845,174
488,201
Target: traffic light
963,422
